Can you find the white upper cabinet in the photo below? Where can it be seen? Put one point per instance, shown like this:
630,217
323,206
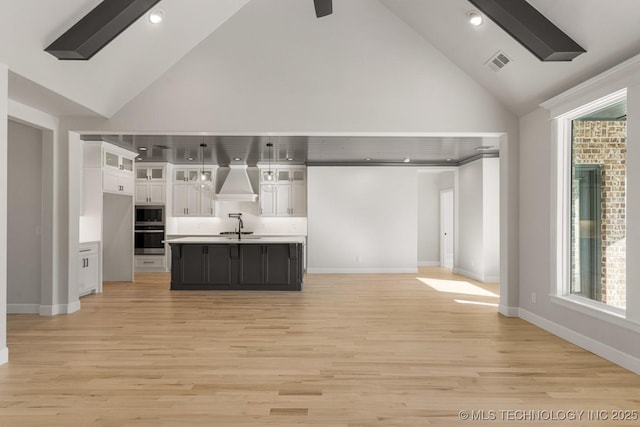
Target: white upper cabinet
150,173
117,166
187,200
150,184
286,194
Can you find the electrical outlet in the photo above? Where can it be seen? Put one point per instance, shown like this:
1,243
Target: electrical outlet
533,297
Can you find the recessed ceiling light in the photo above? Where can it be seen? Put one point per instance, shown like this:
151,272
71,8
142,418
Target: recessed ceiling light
190,159
291,159
368,159
142,148
138,158
448,160
237,159
156,16
475,18
406,160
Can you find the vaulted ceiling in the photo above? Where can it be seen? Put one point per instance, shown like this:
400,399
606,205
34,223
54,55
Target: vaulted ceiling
144,53
607,29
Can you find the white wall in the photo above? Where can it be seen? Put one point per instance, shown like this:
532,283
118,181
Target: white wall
609,336
491,219
4,79
479,220
470,260
362,219
274,67
24,206
429,218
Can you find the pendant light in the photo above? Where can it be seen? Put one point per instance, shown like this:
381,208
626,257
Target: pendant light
270,172
204,183
269,176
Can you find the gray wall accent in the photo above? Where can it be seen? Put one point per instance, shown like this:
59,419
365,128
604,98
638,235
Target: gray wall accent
24,202
117,223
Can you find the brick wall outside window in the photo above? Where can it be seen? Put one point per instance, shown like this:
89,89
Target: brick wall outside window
604,143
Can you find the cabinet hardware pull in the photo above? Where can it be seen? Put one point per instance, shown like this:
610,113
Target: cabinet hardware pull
85,250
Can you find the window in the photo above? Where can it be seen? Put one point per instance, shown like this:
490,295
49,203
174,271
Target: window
597,205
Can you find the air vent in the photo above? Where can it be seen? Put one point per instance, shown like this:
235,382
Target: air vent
498,61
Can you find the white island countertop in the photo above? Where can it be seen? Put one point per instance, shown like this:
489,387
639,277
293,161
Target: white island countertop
234,239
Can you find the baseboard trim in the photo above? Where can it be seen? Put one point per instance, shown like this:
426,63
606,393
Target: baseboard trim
428,263
23,308
54,310
508,311
474,276
362,270
603,350
4,356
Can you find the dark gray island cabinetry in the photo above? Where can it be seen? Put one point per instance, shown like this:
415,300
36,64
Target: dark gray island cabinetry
274,264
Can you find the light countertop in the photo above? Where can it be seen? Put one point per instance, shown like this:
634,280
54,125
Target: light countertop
234,240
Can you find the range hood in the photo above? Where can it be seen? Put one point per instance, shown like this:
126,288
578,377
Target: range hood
237,186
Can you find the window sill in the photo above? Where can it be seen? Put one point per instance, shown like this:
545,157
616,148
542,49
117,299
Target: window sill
613,315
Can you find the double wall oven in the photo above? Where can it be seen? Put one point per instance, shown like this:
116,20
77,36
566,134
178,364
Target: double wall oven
149,230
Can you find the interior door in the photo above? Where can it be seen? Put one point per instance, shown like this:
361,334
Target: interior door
446,228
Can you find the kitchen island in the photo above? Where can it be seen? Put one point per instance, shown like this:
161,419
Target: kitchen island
229,263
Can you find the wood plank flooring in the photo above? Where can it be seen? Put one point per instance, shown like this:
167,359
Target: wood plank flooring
349,350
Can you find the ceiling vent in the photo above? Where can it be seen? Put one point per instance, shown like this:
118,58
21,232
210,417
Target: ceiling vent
498,61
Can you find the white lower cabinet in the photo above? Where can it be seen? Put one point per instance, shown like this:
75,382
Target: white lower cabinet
150,263
89,277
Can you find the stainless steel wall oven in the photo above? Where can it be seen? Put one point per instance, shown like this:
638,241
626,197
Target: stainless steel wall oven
149,232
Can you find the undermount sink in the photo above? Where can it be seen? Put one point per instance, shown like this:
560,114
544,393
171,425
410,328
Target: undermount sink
242,238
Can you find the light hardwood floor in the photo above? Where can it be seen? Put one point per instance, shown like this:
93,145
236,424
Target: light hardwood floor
349,350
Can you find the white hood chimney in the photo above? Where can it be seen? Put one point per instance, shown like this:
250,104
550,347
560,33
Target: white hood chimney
237,186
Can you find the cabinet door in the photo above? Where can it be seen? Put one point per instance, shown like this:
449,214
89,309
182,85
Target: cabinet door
142,173
193,263
206,204
142,193
267,200
298,203
127,185
277,265
180,200
156,173
297,175
193,200
283,200
91,272
126,164
110,182
251,264
219,265
156,192
111,160
284,175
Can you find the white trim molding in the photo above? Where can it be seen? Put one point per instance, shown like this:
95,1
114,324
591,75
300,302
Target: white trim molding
4,356
616,356
508,311
54,310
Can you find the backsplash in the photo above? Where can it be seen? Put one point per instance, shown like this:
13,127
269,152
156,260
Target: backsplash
250,216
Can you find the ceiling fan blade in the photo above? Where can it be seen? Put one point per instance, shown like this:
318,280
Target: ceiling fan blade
323,7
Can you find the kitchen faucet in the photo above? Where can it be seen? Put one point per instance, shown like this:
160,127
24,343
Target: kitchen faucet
240,223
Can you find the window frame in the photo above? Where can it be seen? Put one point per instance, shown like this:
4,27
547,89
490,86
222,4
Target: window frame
561,283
